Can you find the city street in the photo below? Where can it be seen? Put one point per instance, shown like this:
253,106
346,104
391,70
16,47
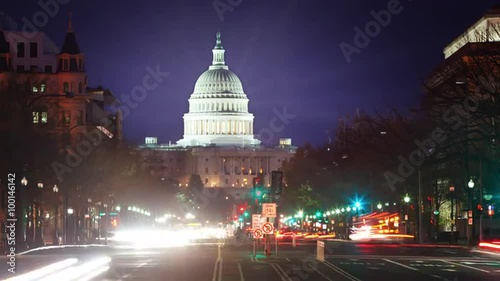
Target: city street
344,261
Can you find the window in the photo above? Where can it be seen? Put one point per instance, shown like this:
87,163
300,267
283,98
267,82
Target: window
66,87
48,69
20,50
227,181
34,88
206,159
33,68
40,117
66,117
206,170
33,50
44,117
36,117
43,87
20,68
79,117
206,181
65,65
80,87
80,64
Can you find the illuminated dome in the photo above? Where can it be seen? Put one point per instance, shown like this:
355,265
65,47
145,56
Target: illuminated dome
218,108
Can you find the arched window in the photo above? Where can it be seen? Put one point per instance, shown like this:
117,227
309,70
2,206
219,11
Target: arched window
66,87
80,87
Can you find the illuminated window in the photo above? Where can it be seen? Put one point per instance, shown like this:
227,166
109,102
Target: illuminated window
36,117
44,117
43,87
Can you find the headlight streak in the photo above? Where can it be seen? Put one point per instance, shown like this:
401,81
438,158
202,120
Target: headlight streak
44,271
80,271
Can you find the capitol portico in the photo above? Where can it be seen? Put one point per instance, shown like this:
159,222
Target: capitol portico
218,142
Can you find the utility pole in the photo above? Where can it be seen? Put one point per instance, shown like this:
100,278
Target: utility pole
420,210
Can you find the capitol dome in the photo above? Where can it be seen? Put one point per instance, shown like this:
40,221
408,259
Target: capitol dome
218,108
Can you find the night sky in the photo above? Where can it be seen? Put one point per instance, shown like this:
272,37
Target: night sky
286,54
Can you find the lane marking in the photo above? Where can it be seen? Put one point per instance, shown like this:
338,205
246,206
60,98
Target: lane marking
320,273
288,260
214,276
279,272
439,277
135,269
400,264
340,271
287,278
241,272
466,266
220,270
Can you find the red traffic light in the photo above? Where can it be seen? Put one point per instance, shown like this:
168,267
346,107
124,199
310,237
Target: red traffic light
242,209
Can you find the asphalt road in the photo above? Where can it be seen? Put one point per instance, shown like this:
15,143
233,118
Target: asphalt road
343,261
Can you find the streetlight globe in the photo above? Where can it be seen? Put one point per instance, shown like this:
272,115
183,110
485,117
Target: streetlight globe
471,184
24,181
40,185
379,206
118,208
407,199
55,188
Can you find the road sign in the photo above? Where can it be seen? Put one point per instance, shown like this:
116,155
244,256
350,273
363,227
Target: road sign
257,234
267,228
257,221
269,210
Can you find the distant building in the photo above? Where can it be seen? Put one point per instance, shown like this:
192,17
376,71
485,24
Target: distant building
35,68
218,143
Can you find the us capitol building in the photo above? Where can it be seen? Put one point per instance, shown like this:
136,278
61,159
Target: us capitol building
218,142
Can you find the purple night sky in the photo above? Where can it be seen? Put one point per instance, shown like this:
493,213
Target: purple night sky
286,53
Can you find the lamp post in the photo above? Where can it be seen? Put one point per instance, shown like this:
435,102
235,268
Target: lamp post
452,214
55,189
38,225
406,199
470,227
23,213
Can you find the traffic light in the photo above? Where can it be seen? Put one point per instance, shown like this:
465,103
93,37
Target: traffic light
491,210
242,209
257,182
276,182
479,208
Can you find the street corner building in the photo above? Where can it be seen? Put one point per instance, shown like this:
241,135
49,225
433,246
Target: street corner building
50,86
219,142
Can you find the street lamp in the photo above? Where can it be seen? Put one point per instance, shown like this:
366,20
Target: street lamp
40,185
407,198
379,206
24,181
55,189
471,183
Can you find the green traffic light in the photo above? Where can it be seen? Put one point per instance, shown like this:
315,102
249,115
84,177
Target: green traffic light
246,214
240,219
